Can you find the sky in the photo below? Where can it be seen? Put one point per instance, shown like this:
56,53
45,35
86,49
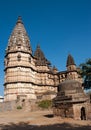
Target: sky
61,27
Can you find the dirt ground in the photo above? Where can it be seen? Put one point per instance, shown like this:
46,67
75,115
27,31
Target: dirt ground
38,120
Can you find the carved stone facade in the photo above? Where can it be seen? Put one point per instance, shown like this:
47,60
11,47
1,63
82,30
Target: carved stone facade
29,76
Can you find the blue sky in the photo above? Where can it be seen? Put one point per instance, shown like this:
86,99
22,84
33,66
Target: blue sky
60,26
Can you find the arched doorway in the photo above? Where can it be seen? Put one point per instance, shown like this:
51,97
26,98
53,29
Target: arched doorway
83,113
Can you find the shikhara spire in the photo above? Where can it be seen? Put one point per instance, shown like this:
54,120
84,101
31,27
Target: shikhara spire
19,37
40,57
70,60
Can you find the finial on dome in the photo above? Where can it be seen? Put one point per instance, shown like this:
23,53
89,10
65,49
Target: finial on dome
19,20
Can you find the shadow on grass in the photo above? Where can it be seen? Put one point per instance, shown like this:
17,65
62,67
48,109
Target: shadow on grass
26,126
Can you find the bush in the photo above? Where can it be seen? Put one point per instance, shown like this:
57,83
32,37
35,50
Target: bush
19,107
45,104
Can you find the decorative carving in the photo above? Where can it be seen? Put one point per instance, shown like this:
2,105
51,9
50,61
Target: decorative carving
19,57
30,59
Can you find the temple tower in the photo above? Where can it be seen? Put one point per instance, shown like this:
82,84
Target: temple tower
19,65
45,85
71,68
70,63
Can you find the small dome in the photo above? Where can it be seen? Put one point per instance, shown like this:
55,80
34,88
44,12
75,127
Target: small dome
72,88
70,85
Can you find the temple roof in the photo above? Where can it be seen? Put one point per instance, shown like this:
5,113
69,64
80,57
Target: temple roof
70,91
40,57
19,37
70,60
70,84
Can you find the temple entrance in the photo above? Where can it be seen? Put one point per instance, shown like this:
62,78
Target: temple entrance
83,113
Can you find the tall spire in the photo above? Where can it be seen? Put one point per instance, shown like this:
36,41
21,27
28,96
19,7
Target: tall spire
19,37
70,60
40,57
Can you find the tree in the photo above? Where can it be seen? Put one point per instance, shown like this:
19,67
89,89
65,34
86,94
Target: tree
86,73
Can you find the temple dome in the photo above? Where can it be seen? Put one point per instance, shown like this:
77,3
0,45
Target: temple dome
71,88
70,85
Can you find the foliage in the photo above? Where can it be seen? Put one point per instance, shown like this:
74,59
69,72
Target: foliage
45,104
19,107
86,73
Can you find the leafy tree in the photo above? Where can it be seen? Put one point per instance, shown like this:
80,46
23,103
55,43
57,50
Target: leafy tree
86,73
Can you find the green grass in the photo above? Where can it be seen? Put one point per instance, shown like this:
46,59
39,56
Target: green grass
45,104
19,107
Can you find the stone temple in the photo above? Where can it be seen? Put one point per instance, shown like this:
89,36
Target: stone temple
30,76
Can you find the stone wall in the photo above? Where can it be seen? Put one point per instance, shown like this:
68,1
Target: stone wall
26,105
7,106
